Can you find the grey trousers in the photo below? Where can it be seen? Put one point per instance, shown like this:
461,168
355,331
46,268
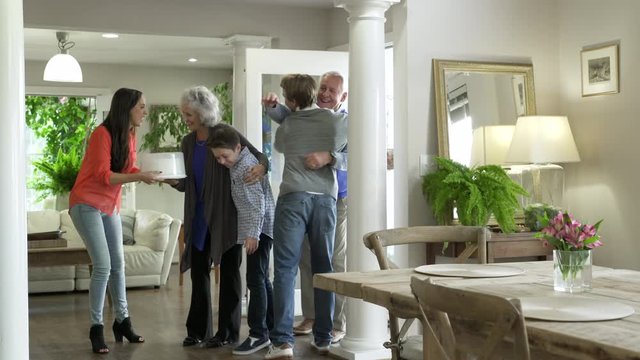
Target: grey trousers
339,264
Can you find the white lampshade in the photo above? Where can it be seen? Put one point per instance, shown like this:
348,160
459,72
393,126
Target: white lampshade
490,144
64,68
542,140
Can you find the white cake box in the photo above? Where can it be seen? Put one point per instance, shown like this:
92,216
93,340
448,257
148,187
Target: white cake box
170,164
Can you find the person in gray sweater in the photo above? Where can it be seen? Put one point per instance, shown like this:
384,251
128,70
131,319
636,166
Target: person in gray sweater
331,95
306,204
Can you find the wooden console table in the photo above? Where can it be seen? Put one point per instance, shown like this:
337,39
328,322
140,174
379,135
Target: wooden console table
499,246
58,256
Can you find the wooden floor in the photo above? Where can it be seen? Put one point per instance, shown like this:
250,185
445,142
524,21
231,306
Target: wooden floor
59,327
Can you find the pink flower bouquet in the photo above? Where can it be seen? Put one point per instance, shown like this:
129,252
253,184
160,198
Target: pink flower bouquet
565,233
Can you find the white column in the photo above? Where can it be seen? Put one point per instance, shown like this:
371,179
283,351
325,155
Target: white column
14,302
240,45
366,323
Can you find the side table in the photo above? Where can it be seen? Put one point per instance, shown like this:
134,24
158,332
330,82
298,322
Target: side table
499,246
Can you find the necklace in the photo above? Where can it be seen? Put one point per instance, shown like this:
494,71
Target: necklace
201,143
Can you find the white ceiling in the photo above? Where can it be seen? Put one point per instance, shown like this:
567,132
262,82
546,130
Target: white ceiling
153,50
91,47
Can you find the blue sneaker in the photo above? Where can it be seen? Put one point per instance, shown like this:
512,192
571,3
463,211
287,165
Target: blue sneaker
251,345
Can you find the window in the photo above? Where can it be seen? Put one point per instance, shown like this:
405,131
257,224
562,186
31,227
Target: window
56,133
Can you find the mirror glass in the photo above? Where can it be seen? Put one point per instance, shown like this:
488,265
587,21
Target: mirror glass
477,107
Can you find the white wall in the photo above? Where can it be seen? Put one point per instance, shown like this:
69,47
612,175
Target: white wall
604,184
160,85
549,34
521,31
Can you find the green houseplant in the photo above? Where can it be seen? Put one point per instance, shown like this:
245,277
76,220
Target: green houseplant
476,193
166,128
64,123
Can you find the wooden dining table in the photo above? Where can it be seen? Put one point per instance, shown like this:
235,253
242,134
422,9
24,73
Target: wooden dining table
611,339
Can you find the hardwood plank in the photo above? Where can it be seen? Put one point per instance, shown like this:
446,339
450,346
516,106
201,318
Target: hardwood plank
59,327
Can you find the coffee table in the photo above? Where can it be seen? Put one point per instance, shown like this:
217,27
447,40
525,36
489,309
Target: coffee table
58,256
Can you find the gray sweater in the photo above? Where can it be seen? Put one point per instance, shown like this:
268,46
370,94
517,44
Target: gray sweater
304,132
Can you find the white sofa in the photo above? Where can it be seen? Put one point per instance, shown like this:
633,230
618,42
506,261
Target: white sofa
147,263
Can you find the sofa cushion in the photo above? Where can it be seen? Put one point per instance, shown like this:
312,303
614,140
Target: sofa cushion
151,229
128,217
138,260
42,221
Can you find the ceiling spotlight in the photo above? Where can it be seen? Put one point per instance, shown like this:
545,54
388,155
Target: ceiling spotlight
63,67
192,60
110,36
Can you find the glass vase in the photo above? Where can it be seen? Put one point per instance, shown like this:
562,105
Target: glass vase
572,270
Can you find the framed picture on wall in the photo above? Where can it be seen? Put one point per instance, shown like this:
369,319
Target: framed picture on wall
600,71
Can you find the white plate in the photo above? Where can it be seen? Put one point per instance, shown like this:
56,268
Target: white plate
469,270
573,308
170,177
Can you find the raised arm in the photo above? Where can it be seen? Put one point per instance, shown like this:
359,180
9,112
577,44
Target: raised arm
276,111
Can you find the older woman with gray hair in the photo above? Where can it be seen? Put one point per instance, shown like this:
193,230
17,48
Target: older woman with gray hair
210,223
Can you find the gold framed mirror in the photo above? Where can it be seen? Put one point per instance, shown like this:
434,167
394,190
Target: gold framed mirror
475,97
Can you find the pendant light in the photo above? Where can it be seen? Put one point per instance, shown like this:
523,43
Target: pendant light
63,67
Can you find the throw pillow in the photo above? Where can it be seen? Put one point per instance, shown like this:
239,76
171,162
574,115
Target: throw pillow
128,222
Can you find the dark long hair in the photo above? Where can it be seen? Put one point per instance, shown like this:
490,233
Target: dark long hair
118,123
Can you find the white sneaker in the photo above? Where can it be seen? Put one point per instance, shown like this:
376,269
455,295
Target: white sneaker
282,352
321,347
336,336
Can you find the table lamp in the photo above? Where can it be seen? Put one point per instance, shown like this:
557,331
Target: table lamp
490,144
540,142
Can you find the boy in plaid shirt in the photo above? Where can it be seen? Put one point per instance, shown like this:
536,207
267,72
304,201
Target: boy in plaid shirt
255,206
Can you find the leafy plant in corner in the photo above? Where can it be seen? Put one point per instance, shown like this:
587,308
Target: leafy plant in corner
476,193
59,176
64,123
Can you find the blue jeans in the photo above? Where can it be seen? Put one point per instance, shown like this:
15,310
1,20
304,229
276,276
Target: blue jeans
260,312
102,236
296,214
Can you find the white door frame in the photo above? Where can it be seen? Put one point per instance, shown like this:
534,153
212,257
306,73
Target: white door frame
279,62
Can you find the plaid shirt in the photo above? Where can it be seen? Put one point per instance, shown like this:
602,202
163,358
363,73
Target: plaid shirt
254,202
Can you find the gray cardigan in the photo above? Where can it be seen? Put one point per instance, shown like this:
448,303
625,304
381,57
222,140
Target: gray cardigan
220,212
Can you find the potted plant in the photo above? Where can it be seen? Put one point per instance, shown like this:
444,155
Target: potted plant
166,128
64,123
475,193
534,215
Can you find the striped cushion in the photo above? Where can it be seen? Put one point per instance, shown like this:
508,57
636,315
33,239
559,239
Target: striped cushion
128,221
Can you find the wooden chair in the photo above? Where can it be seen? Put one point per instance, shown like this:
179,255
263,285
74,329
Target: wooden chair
503,316
474,236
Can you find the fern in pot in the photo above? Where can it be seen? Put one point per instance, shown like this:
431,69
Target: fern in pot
475,193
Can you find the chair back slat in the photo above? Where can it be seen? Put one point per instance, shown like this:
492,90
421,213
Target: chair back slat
474,236
504,316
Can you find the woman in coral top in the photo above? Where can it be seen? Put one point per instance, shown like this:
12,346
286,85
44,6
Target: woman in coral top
94,206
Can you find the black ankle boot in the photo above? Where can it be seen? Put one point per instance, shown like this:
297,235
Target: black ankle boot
124,329
97,339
